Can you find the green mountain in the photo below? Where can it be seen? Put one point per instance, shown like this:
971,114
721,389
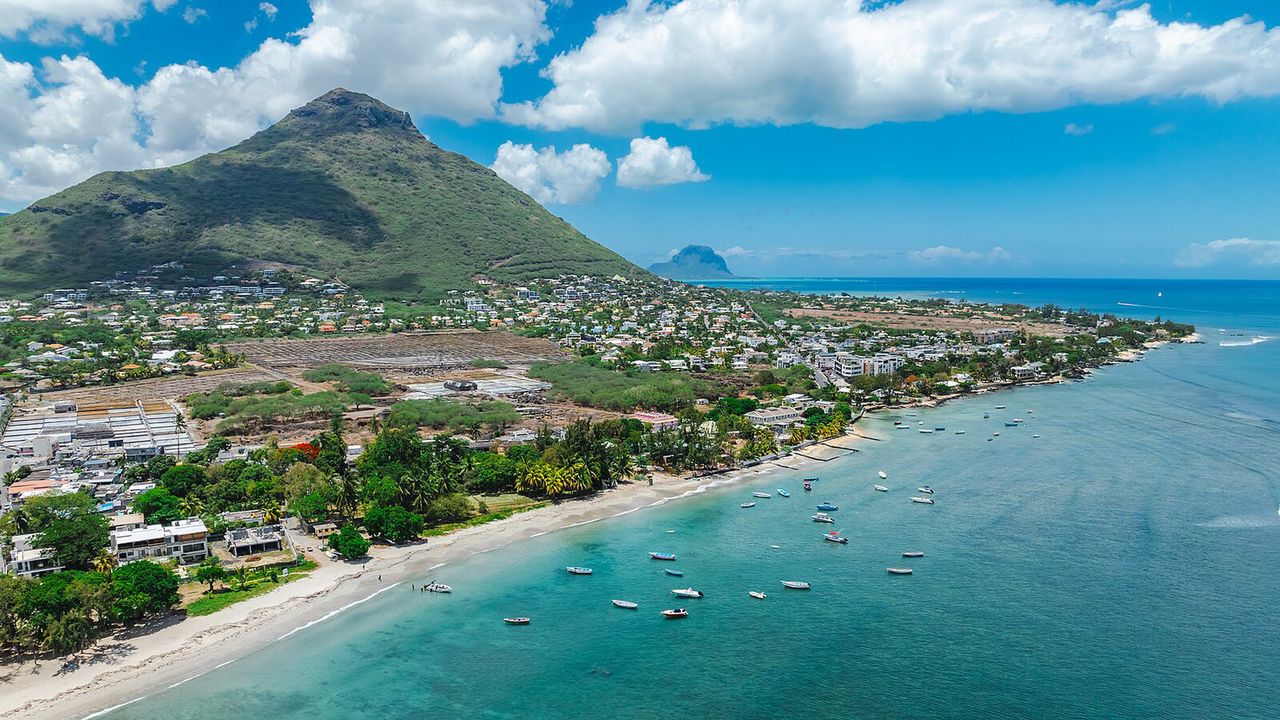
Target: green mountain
694,262
344,187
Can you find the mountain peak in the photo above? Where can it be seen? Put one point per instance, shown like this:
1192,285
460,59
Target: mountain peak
342,110
694,262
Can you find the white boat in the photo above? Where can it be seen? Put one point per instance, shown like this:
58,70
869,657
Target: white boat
883,475
926,431
625,604
899,571
747,505
823,517
795,585
687,593
676,613
785,494
922,500
913,553
1019,420
880,488
761,494
757,594
1000,407
578,570
1035,436
516,620
901,427
959,432
437,587
925,489
835,537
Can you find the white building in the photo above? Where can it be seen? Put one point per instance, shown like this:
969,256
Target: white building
185,541
27,559
848,365
882,364
773,416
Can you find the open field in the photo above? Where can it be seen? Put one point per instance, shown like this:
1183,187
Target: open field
162,388
906,321
410,353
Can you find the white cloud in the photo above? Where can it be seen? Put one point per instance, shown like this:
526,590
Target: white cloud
436,57
269,10
842,63
1078,130
192,14
947,254
1240,250
568,177
48,19
653,162
1163,129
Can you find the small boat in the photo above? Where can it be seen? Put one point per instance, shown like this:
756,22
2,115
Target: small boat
1000,407
1011,424
883,475
1018,420
676,613
913,553
926,431
784,493
757,594
687,593
902,427
925,489
986,415
880,488
811,479
922,500
625,604
1035,436
808,485
995,434
897,422
899,571
516,620
835,537
761,494
747,505
827,506
437,587
578,570
959,432
662,556
823,517
674,573
795,585
939,428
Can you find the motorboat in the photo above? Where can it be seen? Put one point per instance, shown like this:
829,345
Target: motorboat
436,587
1035,436
922,500
913,553
897,422
795,585
761,494
899,571
757,594
880,488
826,506
1018,420
674,573
883,475
1011,424
902,427
687,593
625,604
995,434
823,517
808,485
959,432
747,505
926,431
986,415
923,488
516,620
578,570
939,428
1000,407
783,493
835,537
676,613
662,556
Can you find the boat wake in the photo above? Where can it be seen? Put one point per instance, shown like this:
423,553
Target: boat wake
1238,522
1255,340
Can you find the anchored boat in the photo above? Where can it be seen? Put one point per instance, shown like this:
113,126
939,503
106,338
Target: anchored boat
578,570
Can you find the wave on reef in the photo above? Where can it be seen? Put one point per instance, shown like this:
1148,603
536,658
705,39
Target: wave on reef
1255,340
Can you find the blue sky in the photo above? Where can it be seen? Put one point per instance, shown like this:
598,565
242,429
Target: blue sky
798,137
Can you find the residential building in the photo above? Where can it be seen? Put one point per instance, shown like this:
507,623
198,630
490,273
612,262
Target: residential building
27,559
185,541
783,415
657,421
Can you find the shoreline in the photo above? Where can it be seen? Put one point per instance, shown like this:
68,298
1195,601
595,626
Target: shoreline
124,668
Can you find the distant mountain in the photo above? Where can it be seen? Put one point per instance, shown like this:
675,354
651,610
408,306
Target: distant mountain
344,187
694,262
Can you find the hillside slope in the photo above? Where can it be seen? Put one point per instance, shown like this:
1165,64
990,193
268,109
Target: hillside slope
344,187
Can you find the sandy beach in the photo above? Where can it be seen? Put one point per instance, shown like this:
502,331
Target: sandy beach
140,662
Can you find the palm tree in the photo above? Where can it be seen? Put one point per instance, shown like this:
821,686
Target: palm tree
271,515
241,576
190,506
348,492
104,562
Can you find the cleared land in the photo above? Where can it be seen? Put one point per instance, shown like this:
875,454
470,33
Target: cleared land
162,388
907,321
410,353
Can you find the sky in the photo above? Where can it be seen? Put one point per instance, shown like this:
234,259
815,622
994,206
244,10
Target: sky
796,137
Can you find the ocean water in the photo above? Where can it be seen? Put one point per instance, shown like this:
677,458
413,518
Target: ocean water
1121,565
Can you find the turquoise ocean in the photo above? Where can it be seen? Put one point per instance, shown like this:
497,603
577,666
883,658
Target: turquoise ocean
1123,564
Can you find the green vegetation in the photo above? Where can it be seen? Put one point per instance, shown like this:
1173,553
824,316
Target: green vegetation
254,584
343,187
349,379
462,417
584,383
67,522
249,407
488,363
394,524
349,543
